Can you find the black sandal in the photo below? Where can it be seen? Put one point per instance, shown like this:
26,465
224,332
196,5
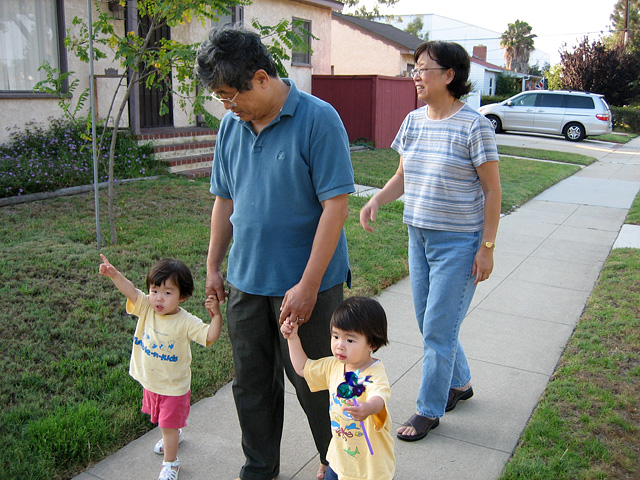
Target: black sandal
421,425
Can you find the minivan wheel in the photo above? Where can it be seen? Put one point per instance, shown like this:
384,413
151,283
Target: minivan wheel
574,132
495,121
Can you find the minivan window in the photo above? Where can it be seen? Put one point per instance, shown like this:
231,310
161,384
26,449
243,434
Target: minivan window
525,100
575,101
550,100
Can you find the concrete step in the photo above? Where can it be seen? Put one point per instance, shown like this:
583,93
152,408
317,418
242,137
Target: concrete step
183,149
197,173
181,164
172,151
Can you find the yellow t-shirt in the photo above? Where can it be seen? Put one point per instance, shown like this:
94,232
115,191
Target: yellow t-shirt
348,453
161,353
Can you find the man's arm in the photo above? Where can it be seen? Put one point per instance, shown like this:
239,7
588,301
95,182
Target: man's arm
219,240
301,298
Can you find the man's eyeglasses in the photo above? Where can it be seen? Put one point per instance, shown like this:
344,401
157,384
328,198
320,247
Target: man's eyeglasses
227,101
420,71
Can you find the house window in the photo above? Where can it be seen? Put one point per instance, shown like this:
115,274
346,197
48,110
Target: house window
407,72
235,17
31,33
302,56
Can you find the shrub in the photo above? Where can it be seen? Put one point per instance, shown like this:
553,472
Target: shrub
626,118
487,99
38,159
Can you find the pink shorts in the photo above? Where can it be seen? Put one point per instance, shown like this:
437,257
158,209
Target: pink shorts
166,411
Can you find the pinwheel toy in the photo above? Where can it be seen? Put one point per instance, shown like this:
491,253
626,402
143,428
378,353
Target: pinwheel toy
351,388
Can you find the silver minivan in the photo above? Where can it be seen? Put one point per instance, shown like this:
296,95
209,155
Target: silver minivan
575,115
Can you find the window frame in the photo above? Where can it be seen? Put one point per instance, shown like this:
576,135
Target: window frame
307,54
62,55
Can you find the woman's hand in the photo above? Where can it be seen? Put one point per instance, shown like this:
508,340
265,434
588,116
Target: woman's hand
482,264
368,213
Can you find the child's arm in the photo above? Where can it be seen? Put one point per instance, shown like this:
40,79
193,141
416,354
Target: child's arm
213,306
364,409
125,286
296,352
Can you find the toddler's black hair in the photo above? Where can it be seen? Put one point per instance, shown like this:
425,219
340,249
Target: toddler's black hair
364,316
168,268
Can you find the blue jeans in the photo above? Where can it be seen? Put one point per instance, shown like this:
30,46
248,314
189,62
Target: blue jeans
330,474
440,265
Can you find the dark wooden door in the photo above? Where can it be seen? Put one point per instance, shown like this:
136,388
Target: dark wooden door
150,98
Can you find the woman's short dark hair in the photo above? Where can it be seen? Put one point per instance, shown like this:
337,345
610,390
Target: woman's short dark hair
175,270
449,55
231,56
364,316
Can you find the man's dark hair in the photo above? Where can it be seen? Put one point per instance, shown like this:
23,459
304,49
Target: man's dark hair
231,56
175,270
449,55
364,316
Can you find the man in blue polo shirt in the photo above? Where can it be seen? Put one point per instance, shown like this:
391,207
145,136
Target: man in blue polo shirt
281,176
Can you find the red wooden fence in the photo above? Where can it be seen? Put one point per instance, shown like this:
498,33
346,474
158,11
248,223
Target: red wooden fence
371,106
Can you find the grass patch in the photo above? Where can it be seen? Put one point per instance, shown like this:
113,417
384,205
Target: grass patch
616,137
374,167
586,425
523,179
564,157
633,217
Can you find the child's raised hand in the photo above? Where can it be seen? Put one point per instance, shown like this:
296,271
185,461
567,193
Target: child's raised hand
213,306
289,329
106,268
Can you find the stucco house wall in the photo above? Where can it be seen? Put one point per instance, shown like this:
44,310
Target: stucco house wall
19,111
355,51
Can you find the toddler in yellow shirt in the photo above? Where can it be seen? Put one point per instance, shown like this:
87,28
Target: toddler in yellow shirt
161,353
361,446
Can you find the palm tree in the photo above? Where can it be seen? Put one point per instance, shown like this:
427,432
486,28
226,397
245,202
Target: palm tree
517,41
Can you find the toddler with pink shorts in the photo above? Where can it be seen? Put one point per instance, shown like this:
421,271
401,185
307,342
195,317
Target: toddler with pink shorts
161,353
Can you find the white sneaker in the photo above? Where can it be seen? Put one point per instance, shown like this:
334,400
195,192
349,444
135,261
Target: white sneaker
159,446
167,472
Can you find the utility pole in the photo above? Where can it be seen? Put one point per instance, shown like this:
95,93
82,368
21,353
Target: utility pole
626,24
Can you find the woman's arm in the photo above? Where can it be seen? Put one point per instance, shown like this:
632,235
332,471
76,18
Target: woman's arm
490,180
392,190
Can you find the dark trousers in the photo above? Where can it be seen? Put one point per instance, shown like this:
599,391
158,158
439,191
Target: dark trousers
259,355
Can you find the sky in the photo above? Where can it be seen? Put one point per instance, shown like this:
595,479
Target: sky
554,23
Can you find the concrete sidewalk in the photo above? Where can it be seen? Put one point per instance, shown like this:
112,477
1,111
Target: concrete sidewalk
549,254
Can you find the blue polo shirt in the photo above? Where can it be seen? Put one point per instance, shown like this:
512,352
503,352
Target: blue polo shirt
277,180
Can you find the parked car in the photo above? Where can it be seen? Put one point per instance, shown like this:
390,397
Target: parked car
575,115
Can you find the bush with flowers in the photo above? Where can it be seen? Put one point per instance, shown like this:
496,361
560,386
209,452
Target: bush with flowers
41,158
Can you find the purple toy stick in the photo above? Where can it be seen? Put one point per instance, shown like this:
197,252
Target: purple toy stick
353,387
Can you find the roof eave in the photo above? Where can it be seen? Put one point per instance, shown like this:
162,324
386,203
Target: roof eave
331,4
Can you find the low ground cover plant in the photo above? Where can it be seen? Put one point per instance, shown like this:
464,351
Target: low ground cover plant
41,159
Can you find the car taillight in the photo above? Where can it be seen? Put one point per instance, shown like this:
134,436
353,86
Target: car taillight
603,116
